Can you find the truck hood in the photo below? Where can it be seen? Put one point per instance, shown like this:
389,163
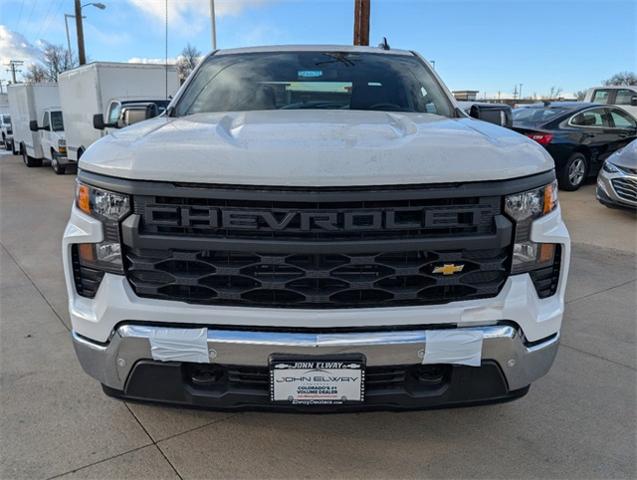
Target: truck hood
315,148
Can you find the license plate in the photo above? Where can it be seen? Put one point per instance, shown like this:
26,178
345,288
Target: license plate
317,381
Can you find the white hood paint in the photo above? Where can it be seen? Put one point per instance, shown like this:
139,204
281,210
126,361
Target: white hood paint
315,148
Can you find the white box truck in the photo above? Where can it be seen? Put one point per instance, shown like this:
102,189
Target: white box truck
30,102
107,88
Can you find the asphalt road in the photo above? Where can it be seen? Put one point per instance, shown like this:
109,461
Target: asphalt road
577,422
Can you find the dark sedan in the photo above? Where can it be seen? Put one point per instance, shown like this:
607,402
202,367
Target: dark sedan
579,136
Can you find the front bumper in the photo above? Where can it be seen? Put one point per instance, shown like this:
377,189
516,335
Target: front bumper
126,368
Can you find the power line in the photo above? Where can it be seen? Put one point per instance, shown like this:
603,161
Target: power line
19,15
47,19
35,2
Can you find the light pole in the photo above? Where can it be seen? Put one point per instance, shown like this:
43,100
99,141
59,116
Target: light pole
68,38
80,28
213,26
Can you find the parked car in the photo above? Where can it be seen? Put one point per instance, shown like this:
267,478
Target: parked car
6,130
312,228
51,135
617,180
579,136
28,102
104,89
624,96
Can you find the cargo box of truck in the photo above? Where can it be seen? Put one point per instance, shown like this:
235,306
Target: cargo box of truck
28,102
106,88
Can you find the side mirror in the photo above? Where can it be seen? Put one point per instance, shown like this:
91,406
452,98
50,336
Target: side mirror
633,101
98,121
130,116
493,113
33,125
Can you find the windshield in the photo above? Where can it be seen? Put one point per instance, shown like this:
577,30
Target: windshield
6,119
313,80
57,125
536,116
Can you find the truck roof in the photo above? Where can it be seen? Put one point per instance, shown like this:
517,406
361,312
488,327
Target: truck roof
313,48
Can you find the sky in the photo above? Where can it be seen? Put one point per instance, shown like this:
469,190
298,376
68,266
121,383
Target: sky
489,46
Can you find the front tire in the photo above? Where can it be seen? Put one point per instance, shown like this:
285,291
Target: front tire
30,161
573,174
57,168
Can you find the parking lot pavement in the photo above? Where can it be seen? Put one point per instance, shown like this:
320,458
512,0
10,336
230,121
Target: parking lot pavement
577,422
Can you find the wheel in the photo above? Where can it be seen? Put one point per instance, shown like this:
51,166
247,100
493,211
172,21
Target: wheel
573,173
30,161
57,168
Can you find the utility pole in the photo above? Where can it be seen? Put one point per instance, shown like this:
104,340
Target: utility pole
80,32
361,22
213,26
12,68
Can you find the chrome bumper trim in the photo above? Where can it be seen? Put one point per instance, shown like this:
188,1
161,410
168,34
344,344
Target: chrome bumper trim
111,363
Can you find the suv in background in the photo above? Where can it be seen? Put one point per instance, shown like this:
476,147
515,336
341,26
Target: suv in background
316,228
623,95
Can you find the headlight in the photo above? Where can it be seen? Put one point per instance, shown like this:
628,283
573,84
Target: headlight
525,207
101,204
609,167
108,207
531,204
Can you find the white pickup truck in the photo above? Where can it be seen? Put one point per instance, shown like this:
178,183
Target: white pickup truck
316,228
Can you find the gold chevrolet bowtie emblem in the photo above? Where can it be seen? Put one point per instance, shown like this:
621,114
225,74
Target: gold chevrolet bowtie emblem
448,269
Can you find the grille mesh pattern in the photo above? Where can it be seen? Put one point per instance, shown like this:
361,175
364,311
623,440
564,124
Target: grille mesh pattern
626,188
315,280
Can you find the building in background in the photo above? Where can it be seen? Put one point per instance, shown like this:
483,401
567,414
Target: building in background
465,95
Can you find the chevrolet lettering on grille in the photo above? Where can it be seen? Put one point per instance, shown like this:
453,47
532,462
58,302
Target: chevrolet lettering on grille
212,218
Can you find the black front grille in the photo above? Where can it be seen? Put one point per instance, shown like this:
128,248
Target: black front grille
317,248
316,280
626,188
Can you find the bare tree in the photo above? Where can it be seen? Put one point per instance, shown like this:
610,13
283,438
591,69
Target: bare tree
555,92
622,78
580,94
187,61
56,60
35,73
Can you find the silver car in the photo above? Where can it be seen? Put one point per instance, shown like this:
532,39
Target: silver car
617,180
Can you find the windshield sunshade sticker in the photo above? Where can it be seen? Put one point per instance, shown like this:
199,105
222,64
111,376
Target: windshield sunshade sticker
310,73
